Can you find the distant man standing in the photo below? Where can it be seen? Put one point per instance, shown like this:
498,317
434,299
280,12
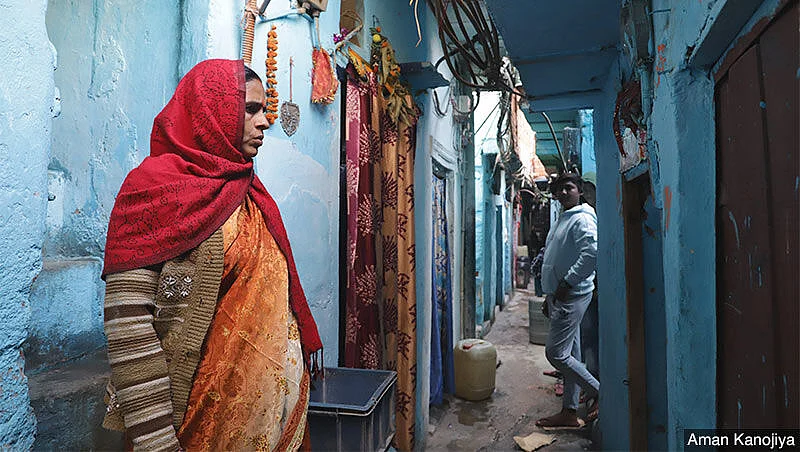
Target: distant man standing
568,280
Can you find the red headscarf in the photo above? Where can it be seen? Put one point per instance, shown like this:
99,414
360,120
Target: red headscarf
193,180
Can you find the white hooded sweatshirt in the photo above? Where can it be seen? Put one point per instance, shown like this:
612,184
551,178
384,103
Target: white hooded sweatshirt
571,251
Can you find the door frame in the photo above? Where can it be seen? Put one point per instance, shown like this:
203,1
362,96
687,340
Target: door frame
445,164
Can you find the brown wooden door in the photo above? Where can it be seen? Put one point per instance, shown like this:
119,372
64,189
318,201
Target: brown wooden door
757,230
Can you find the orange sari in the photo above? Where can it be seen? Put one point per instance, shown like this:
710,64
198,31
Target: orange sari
251,389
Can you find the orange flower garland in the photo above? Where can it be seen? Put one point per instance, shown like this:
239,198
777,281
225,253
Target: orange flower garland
272,81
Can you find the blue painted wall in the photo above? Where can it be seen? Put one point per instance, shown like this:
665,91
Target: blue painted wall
499,256
488,286
108,100
686,165
655,326
435,141
493,219
26,108
681,132
613,353
679,250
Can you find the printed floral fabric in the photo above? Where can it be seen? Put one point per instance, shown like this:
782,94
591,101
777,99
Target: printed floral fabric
380,294
442,368
251,388
362,328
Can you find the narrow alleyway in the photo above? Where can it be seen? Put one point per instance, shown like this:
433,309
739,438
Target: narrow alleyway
522,395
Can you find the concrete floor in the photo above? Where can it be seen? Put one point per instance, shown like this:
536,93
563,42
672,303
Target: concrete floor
522,395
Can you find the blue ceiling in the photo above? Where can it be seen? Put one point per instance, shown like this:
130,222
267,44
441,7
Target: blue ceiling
562,48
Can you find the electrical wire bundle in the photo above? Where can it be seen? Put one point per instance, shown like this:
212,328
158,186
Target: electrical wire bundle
472,50
481,52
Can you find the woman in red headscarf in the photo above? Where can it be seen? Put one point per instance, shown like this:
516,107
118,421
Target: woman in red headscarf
210,338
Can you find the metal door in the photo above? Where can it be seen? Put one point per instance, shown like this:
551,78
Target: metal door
757,229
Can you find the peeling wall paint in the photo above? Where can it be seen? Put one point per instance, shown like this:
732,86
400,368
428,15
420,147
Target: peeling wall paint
67,319
112,82
682,126
27,96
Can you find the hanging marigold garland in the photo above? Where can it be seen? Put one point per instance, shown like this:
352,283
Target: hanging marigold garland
272,66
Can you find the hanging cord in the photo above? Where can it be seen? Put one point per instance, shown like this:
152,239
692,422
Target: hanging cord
437,103
416,19
558,147
437,106
249,20
318,43
291,65
472,108
503,121
487,117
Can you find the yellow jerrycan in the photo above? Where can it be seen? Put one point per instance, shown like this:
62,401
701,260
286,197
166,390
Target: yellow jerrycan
475,362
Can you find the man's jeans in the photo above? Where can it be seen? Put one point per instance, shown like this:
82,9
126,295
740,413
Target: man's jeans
563,348
589,339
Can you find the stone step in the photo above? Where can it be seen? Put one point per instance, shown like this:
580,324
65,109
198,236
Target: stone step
68,403
66,312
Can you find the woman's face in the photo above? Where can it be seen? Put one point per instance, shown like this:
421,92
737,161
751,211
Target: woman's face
255,121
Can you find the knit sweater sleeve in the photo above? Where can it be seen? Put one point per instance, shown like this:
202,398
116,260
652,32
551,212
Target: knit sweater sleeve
138,364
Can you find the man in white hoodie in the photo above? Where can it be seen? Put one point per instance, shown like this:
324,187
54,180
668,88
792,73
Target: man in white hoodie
568,280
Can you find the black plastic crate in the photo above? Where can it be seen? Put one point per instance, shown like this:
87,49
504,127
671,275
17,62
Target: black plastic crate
352,410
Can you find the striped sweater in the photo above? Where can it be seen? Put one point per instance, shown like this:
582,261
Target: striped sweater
155,323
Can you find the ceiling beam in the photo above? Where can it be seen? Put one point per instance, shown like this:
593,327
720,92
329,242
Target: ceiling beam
571,100
564,94
610,49
540,127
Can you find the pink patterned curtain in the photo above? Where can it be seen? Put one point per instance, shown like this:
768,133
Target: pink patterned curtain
363,341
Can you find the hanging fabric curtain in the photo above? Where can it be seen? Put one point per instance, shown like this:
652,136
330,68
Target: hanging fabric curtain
381,294
442,369
398,142
363,338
